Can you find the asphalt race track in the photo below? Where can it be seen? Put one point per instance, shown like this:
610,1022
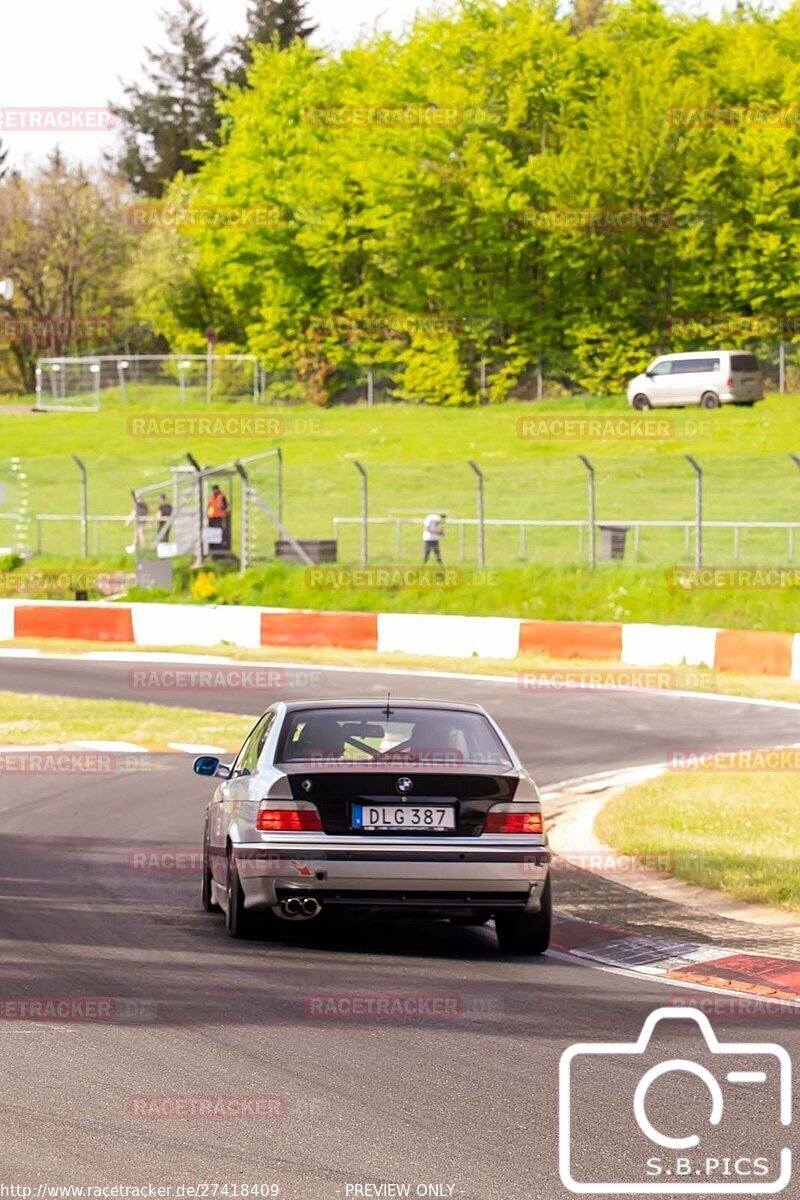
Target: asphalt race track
461,1105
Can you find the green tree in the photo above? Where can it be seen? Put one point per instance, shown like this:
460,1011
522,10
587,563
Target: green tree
60,242
172,115
269,22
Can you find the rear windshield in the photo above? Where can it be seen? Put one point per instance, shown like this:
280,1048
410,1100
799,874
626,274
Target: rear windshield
408,735
691,366
744,362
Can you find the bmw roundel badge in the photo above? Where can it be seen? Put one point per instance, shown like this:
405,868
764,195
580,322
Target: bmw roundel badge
404,785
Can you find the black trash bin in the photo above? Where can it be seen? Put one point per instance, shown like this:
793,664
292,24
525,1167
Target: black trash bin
612,541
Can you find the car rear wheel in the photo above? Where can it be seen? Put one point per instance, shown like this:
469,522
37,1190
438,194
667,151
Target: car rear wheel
238,921
710,400
641,402
526,933
205,890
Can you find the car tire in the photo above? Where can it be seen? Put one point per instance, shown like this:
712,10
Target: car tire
526,933
205,890
238,921
641,403
709,400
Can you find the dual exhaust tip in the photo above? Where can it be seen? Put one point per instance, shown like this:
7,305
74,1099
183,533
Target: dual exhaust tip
303,907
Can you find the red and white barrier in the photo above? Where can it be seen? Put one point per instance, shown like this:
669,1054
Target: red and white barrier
747,652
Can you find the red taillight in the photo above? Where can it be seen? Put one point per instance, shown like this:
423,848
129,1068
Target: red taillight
730,384
289,820
514,822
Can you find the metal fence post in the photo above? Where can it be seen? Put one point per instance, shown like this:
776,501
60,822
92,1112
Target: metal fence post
698,509
592,519
782,367
244,526
364,511
280,484
481,530
84,507
198,483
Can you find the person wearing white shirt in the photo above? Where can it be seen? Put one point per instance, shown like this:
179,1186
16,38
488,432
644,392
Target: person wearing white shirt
432,534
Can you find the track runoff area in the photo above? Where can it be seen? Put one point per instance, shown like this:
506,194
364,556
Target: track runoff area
144,1049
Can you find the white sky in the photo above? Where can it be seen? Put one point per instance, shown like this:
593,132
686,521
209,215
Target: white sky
73,54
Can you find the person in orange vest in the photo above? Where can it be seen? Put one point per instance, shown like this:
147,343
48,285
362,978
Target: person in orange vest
218,512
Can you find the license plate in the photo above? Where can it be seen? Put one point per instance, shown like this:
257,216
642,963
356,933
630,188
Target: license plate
418,818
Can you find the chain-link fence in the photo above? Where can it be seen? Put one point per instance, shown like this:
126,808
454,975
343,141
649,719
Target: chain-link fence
533,511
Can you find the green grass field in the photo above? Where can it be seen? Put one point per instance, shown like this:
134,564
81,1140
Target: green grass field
715,834
417,460
32,720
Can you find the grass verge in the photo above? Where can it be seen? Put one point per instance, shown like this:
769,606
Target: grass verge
33,720
737,833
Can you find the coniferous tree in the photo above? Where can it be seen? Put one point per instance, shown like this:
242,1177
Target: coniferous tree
267,21
174,112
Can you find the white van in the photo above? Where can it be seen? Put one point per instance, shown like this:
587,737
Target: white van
705,377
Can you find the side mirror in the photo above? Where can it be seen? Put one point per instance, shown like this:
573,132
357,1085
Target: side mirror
209,764
649,372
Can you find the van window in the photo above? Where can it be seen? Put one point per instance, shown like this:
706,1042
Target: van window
662,368
744,362
694,366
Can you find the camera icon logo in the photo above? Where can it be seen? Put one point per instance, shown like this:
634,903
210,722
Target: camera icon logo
683,1138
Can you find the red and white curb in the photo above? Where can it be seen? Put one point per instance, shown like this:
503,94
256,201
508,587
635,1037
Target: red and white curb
692,963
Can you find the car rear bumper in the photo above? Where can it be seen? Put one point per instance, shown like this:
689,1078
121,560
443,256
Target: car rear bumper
452,873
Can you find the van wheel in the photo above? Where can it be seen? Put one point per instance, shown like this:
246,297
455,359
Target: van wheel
641,402
709,400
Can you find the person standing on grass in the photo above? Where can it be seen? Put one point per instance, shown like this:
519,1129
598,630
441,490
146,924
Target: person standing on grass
164,514
432,534
138,515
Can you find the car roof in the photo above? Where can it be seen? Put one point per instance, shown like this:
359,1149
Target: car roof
702,353
380,703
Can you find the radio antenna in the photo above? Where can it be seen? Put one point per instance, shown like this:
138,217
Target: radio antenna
387,712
